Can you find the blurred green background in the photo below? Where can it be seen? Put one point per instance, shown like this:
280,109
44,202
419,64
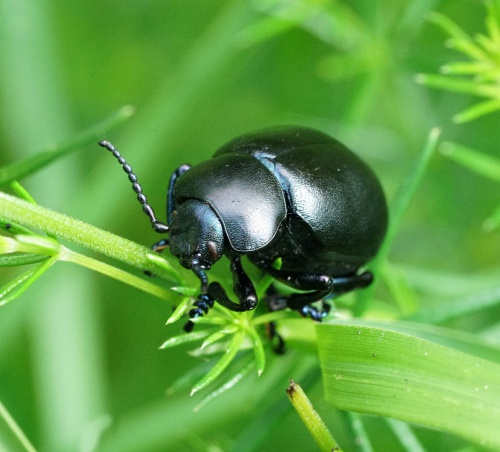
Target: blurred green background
79,352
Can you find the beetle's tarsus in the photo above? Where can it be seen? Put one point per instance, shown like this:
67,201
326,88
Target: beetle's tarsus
314,313
203,304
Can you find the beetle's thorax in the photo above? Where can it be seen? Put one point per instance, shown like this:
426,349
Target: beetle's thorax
196,235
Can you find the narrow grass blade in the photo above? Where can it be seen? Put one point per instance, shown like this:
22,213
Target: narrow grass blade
226,386
407,189
460,39
14,228
220,366
459,85
179,311
482,164
116,273
258,349
218,335
15,260
18,170
405,435
388,373
20,191
476,111
11,429
459,306
398,207
493,221
449,26
16,287
184,339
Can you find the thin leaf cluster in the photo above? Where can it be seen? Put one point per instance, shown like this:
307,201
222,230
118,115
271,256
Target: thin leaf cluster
479,75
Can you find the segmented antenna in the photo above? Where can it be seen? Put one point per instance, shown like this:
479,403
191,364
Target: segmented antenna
157,225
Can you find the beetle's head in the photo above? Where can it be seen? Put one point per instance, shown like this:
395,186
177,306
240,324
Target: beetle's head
196,235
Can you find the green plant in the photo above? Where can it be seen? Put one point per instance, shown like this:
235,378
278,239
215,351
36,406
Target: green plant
73,379
480,75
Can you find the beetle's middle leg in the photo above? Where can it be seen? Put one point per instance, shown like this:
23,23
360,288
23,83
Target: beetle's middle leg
319,285
243,288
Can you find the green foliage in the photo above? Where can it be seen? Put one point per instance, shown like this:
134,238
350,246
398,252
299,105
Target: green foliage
79,365
481,75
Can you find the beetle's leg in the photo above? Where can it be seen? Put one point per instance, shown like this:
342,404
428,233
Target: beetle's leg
170,192
203,304
320,285
318,281
302,302
204,301
243,288
162,244
158,247
277,341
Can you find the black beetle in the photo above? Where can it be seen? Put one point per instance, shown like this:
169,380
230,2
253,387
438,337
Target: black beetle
292,193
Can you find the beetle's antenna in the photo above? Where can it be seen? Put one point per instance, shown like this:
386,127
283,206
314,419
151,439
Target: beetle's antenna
157,225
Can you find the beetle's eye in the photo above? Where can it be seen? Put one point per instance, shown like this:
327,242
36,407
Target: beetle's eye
212,250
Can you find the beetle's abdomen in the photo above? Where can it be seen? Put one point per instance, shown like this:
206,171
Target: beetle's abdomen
331,189
246,197
337,195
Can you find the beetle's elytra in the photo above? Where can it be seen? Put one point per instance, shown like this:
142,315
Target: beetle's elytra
292,193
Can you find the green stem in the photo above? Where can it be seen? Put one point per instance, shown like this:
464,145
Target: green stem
398,207
16,430
311,418
18,170
64,227
116,273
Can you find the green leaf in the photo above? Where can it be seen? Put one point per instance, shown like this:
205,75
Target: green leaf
460,39
20,259
408,439
226,386
17,286
465,67
482,164
388,373
449,26
258,349
220,366
493,221
18,170
12,437
459,85
218,335
398,206
14,228
180,310
20,191
184,339
476,111
460,306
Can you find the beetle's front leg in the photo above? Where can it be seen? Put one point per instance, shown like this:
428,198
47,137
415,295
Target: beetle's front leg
203,303
243,288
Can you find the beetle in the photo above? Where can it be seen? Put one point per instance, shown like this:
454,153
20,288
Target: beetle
289,193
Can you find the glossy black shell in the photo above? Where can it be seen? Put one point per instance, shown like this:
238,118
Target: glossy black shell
294,193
